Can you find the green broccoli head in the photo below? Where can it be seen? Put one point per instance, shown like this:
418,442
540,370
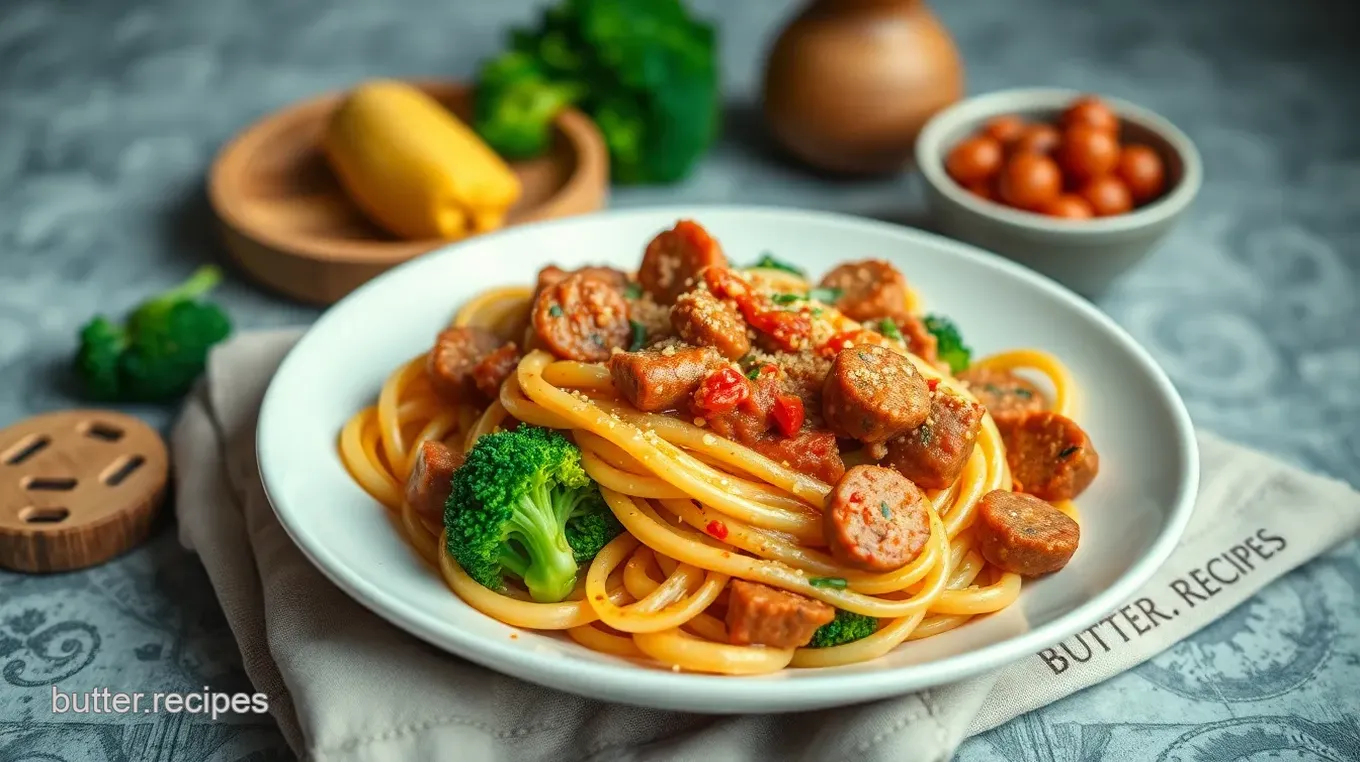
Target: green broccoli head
516,104
847,627
644,70
951,347
161,350
591,527
511,506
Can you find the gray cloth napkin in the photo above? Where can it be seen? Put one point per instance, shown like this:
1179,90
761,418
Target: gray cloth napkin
345,685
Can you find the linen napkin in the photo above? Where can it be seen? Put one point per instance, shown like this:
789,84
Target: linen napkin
345,685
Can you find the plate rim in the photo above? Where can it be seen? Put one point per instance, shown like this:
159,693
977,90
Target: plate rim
696,692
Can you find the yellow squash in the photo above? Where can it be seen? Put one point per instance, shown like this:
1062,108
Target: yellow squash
413,167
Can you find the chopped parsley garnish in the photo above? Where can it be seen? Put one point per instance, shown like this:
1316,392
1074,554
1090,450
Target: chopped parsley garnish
1067,451
825,295
838,583
888,328
885,510
633,291
785,298
768,262
925,435
1022,393
817,311
639,335
555,310
754,372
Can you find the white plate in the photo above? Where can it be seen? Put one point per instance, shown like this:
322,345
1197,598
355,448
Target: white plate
1131,517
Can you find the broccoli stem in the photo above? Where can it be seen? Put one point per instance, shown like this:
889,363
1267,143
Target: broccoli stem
551,575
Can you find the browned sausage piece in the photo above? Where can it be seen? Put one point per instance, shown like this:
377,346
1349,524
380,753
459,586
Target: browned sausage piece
703,320
920,341
1021,533
1050,456
874,394
582,318
876,519
455,354
1002,392
760,615
674,259
552,275
810,451
750,419
492,371
428,488
870,289
661,379
934,454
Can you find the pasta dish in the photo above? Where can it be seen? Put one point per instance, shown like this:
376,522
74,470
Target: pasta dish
721,468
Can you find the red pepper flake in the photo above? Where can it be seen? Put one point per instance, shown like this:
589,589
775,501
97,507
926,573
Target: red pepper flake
931,383
717,529
788,414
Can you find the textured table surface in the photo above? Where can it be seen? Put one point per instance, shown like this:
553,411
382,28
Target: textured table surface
110,112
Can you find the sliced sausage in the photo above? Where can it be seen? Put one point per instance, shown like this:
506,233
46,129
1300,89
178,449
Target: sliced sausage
492,371
874,394
870,289
1023,534
581,318
455,354
552,275
934,453
760,615
876,519
674,259
810,451
1002,392
430,484
661,379
703,320
1050,456
920,341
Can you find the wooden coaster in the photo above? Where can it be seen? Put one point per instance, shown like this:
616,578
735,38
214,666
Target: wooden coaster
77,488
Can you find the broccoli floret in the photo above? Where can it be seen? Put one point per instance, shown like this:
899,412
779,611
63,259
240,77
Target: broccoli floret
160,351
644,70
847,627
522,505
516,104
951,347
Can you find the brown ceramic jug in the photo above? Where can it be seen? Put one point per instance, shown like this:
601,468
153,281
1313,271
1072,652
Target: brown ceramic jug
849,83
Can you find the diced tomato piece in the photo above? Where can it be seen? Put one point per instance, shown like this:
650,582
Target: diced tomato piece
717,529
789,330
842,340
931,383
721,391
788,414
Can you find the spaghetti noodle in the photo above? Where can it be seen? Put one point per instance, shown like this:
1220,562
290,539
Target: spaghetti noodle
656,593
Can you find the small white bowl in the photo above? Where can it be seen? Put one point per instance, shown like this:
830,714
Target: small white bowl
1085,255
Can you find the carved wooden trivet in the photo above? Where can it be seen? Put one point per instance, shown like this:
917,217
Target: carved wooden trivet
77,488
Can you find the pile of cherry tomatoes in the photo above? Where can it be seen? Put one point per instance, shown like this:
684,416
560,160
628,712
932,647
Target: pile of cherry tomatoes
1075,169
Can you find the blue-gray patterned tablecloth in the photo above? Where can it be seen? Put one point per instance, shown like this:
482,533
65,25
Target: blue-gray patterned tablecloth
110,112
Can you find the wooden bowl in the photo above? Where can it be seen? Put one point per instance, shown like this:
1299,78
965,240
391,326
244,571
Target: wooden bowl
290,225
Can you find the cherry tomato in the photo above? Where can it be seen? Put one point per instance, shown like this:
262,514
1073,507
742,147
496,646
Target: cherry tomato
788,414
1070,206
721,391
1029,180
1087,153
975,159
982,189
1107,196
1142,170
1004,129
1092,112
1037,138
